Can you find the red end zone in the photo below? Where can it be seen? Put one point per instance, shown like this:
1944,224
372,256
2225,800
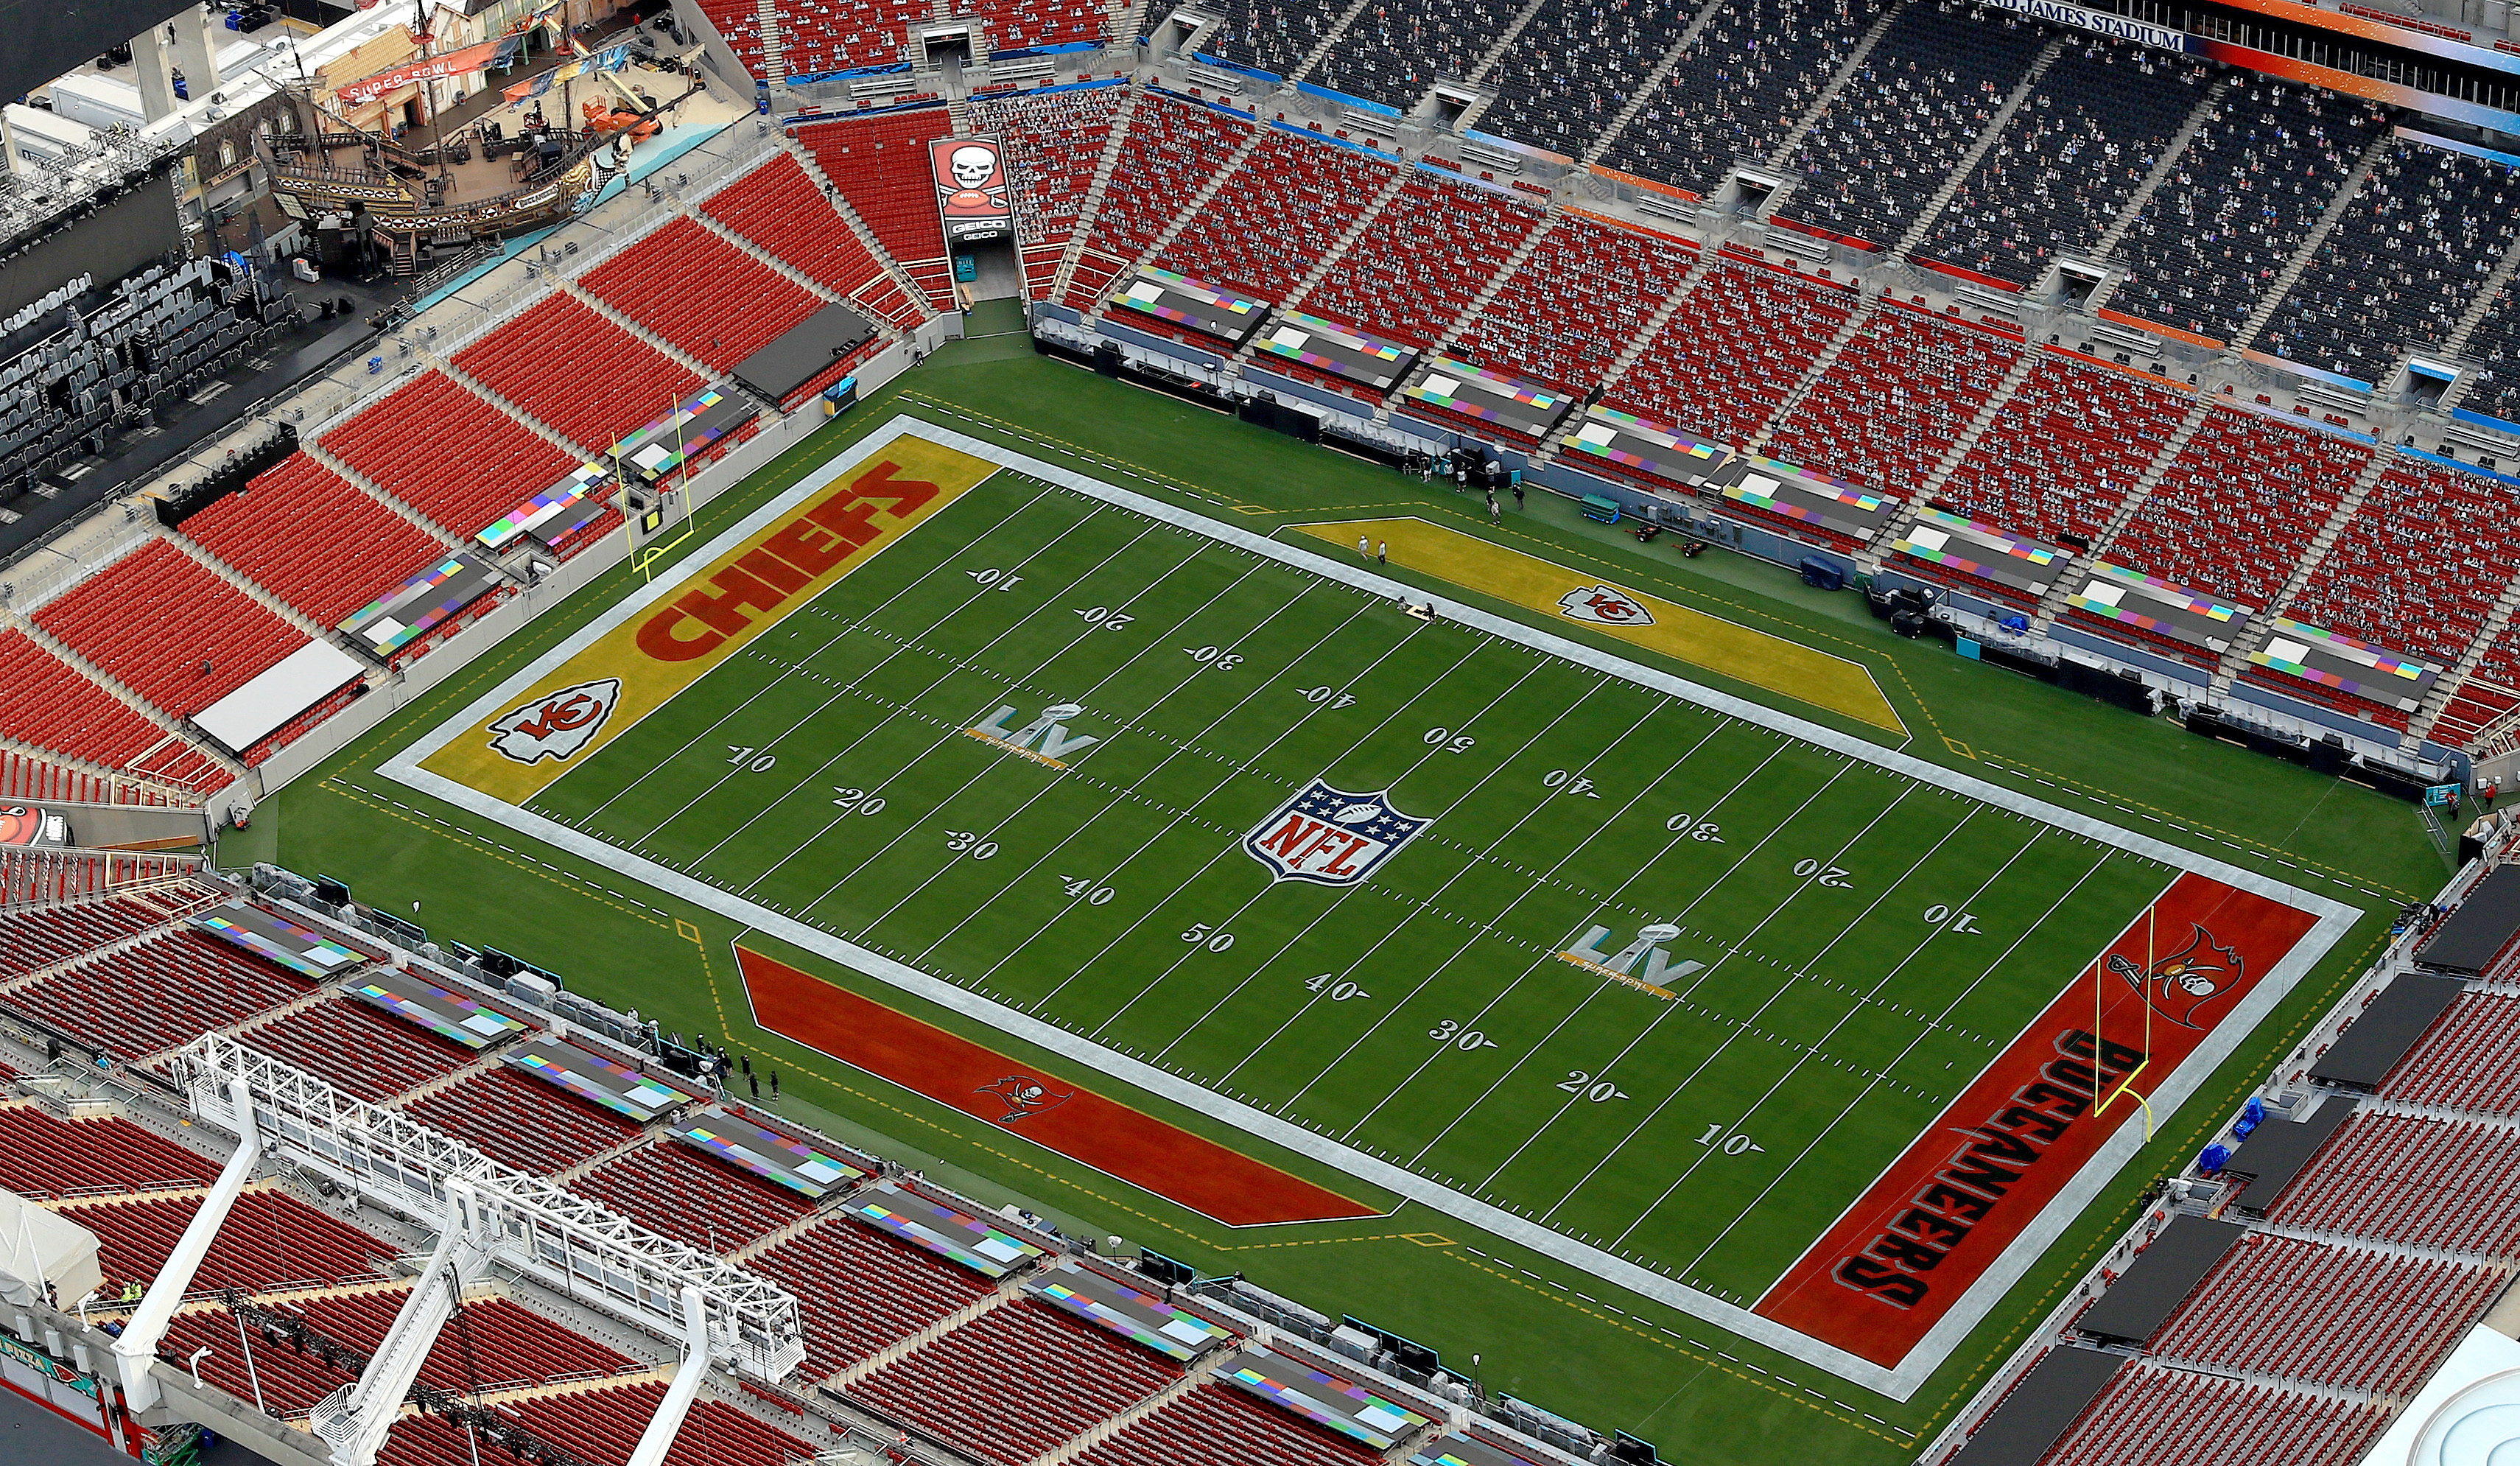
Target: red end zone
1076,1123
1946,1211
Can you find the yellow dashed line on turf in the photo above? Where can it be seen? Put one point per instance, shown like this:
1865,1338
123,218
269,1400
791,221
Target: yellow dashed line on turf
466,837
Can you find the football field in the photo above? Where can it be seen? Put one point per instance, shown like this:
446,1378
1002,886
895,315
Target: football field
1666,984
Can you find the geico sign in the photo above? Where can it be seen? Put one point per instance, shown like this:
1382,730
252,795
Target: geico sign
796,554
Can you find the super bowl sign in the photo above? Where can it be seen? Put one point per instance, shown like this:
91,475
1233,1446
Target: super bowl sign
971,190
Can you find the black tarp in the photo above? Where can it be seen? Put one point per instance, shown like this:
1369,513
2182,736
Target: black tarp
2276,1151
2160,1278
2387,1029
813,343
2049,1397
2483,925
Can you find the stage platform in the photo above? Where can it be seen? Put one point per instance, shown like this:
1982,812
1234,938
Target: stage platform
811,347
598,1080
1621,443
1123,1308
453,1016
2389,1025
2481,929
2159,1280
422,604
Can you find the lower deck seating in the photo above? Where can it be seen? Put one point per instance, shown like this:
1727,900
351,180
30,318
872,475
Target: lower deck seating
674,1189
2149,1416
862,1291
305,534
2065,450
2421,1182
959,1388
1731,351
2343,1316
880,166
38,936
705,296
524,1123
1172,150
402,444
1895,401
269,1240
162,993
358,1049
1053,142
124,619
2236,511
42,1154
1576,302
580,375
780,210
1423,260
2421,562
52,706
2463,1062
1220,1422
1279,212
602,1428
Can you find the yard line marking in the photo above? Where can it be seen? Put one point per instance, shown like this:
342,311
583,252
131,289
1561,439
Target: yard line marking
1259,686
1872,1085
1716,966
1536,805
1060,779
923,579
1599,905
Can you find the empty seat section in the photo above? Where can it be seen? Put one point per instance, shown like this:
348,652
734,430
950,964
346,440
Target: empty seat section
1895,401
357,1049
52,706
1173,148
959,1388
602,1428
284,1380
2065,450
1738,89
1216,1422
42,1154
448,453
2068,162
1423,258
37,936
880,166
1281,211
780,210
2236,511
2404,264
2412,1181
269,1240
583,377
125,620
1913,107
702,293
2239,199
2149,1416
160,994
818,37
310,537
2421,562
2462,1062
509,1345
429,1441
674,1189
1573,68
2329,1315
862,1291
740,22
1576,302
1733,351
524,1123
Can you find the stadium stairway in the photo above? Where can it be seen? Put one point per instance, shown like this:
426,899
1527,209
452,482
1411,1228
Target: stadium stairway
1512,32
2447,687
774,45
802,281
1097,189
674,354
63,652
2478,309
1111,1426
2052,603
1328,261
1856,320
1006,1293
1987,411
1932,212
1331,35
848,213
1547,452
1652,86
1820,103
86,955
2167,164
379,493
524,419
1496,281
304,623
2323,541
1197,202
635,1140
2337,208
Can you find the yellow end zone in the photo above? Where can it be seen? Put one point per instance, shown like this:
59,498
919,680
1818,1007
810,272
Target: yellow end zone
1784,667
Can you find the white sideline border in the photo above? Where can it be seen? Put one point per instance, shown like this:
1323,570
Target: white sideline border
1899,1383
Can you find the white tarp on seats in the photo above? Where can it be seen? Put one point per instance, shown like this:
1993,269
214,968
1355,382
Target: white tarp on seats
264,705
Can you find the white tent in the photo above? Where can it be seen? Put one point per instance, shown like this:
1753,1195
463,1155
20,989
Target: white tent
39,1246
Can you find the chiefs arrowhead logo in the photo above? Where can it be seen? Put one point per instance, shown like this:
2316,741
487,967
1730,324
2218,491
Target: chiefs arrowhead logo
1602,605
556,724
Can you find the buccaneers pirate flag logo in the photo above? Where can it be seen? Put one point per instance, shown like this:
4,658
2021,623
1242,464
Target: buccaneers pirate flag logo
1023,1096
556,724
2185,981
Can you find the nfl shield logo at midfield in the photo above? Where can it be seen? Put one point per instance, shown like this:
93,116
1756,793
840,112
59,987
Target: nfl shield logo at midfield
1330,836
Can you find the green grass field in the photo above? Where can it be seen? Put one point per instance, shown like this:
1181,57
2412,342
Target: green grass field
1459,927
1420,1015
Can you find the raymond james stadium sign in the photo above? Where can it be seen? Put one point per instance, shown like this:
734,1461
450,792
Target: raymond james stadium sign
2159,37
